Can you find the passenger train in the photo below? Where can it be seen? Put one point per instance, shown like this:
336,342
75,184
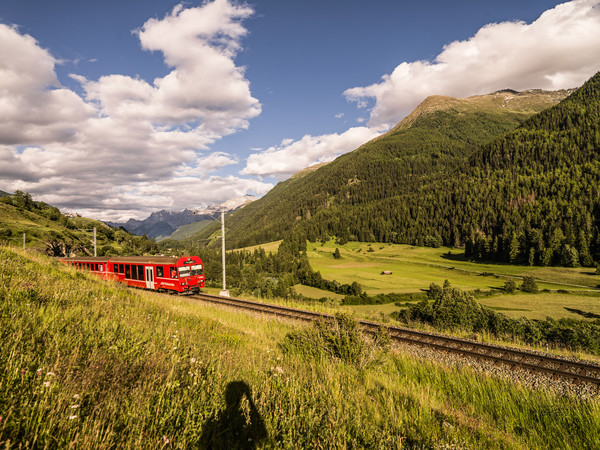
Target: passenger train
181,275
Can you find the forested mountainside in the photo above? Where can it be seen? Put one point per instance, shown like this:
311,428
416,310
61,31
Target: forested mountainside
534,194
363,195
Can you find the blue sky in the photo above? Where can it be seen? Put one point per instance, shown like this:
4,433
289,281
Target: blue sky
116,109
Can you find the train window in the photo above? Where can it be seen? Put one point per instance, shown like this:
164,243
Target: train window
184,271
100,267
121,268
140,270
95,267
197,269
159,271
173,272
127,271
134,272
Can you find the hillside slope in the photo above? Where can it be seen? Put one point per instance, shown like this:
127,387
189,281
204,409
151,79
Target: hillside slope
538,188
359,195
49,231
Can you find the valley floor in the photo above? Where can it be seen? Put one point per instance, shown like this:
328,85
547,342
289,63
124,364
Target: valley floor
566,292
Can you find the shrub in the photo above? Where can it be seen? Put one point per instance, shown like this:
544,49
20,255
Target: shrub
529,285
340,339
510,286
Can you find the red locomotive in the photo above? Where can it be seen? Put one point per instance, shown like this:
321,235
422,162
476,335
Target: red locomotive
184,275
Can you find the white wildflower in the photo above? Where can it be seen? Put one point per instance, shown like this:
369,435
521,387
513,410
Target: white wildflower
72,417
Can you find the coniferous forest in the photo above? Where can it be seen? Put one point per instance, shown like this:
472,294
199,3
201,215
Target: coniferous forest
510,184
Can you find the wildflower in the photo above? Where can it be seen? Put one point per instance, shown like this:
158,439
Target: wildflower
46,384
50,374
76,396
39,372
166,440
74,406
193,360
72,417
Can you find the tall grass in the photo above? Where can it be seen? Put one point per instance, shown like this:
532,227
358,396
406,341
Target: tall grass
90,364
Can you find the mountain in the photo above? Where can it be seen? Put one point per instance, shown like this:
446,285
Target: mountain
369,194
163,224
538,188
160,223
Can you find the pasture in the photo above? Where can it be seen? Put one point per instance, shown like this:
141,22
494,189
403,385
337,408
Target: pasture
413,269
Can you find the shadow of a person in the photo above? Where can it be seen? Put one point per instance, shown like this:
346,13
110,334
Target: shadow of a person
234,428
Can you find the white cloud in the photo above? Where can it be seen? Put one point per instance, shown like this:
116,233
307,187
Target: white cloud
129,144
339,115
290,156
34,108
561,49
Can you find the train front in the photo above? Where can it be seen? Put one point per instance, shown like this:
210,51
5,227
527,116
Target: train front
191,274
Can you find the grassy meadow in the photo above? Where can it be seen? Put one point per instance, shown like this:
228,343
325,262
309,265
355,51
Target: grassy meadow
90,364
415,268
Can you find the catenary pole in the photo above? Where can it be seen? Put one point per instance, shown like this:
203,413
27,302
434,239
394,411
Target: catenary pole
224,292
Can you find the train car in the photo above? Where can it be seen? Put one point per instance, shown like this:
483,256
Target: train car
182,275
96,265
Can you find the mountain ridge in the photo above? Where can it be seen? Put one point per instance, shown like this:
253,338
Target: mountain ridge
430,143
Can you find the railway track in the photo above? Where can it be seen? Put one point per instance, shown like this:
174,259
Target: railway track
578,371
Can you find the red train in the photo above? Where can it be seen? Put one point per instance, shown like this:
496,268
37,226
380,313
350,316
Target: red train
183,275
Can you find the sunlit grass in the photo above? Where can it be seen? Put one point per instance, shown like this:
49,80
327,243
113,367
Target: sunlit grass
91,364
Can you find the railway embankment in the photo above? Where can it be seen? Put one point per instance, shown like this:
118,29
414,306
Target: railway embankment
91,364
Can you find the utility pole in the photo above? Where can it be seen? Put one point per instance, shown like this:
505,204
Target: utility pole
224,292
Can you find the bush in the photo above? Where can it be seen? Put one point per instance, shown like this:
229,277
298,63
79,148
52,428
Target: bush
340,339
529,285
510,286
452,308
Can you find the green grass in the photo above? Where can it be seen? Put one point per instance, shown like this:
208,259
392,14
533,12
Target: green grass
415,268
90,364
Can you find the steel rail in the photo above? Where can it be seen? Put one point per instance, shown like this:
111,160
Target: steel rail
555,366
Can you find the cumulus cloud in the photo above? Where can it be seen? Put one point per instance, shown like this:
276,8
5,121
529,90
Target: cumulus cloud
561,49
290,156
129,143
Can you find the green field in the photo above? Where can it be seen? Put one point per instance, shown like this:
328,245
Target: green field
415,268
